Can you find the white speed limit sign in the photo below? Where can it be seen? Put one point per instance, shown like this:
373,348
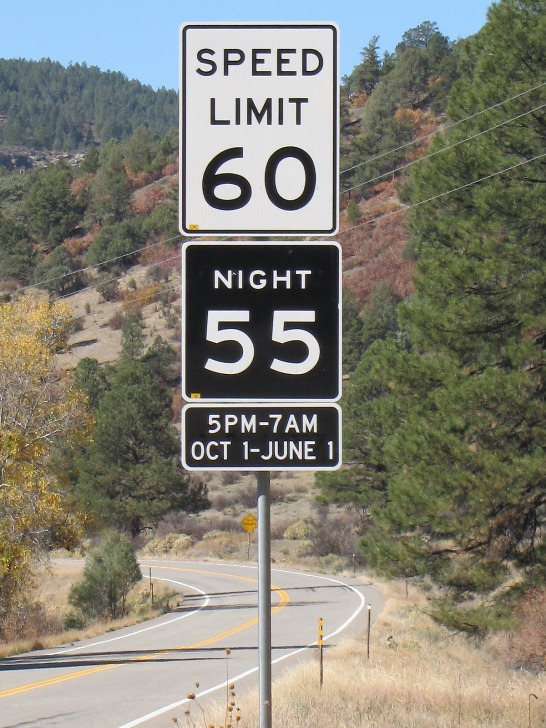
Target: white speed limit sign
259,129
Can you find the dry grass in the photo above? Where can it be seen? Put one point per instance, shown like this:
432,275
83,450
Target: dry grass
53,585
418,676
51,641
97,339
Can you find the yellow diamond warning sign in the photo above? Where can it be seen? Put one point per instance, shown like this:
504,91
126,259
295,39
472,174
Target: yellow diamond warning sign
249,523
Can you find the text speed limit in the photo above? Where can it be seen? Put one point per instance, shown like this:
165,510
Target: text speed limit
261,321
259,128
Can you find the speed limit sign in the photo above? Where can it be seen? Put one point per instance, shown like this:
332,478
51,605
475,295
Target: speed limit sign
259,129
261,321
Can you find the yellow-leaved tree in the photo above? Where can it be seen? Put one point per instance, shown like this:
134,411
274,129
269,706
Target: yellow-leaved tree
39,410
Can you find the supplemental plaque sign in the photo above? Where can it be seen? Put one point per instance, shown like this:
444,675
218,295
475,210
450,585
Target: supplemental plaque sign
261,437
259,129
261,321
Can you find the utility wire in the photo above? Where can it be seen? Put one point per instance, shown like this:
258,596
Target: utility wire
406,208
103,262
116,278
367,222
445,128
443,149
392,171
443,194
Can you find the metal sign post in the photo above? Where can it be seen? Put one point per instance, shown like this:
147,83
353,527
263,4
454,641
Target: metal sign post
261,325
264,597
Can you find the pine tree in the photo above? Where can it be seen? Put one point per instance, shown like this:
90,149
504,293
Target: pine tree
453,415
16,253
90,379
475,452
132,338
110,189
51,210
365,76
111,569
130,473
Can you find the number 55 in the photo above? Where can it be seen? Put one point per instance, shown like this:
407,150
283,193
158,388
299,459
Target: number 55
280,333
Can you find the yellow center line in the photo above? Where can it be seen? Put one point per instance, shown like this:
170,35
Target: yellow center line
55,680
283,601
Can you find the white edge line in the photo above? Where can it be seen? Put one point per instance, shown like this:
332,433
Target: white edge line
144,629
179,703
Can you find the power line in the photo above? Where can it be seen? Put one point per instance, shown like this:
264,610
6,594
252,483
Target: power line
116,278
443,149
383,215
392,171
402,209
90,267
103,262
443,194
97,265
445,128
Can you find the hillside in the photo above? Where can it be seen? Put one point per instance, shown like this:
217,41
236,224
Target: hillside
46,106
140,165
98,227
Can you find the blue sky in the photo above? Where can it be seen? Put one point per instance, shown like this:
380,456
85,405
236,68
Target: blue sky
140,37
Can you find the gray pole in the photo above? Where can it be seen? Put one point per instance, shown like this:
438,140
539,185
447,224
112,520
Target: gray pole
369,628
264,597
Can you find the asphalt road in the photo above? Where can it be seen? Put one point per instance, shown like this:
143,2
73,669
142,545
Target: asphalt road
141,676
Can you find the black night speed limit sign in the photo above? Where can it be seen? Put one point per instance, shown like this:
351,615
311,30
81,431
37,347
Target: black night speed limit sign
259,129
261,321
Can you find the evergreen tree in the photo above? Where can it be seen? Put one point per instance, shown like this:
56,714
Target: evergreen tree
130,474
362,483
57,272
365,76
141,149
422,36
115,244
417,75
361,329
457,417
132,338
16,254
51,210
91,160
89,378
162,223
110,571
110,189
352,212
352,345
379,319
477,448
163,362
49,106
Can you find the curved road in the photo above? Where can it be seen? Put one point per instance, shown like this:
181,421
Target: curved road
140,676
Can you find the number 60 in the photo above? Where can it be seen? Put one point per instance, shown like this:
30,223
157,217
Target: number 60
212,179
